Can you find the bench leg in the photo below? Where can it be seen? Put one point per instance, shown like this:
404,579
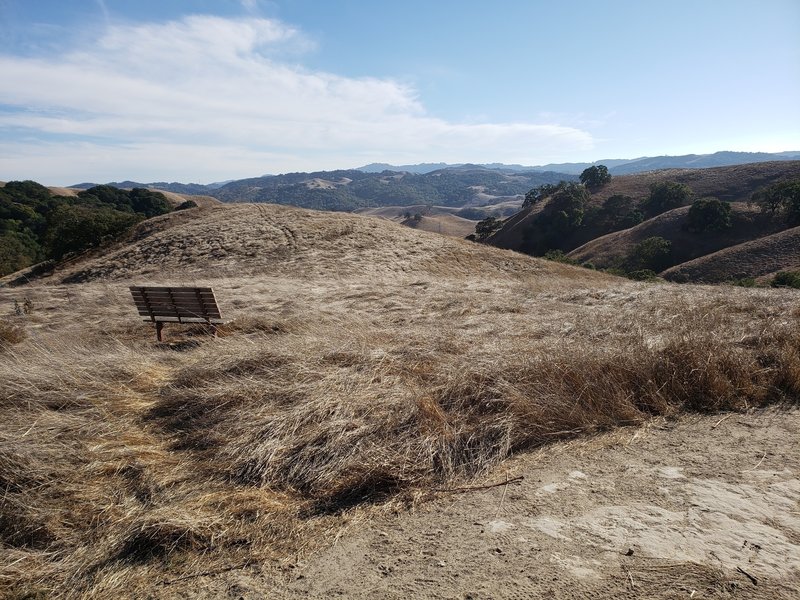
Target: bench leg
159,327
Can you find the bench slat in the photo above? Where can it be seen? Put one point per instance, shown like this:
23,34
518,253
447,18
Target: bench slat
173,294
148,289
187,315
170,319
189,304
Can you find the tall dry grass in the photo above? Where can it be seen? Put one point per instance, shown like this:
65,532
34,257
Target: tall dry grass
364,365
127,465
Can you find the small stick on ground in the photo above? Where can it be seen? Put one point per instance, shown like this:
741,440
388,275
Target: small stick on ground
208,573
752,579
460,490
757,465
502,499
630,577
715,425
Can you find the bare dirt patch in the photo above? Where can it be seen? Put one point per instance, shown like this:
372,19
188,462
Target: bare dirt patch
700,507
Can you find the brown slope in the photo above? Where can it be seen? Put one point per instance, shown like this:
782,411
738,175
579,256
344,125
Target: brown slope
733,184
757,258
445,224
747,223
264,239
395,213
177,199
436,219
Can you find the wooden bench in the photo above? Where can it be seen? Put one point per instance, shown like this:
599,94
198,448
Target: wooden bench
161,305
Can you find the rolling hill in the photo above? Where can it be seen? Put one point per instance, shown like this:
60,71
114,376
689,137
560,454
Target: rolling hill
759,259
747,223
266,239
596,242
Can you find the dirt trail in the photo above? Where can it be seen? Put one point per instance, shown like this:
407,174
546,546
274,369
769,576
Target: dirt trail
703,507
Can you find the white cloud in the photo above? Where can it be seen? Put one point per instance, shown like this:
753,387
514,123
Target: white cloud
210,98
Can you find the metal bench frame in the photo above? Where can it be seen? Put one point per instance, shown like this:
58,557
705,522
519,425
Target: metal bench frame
161,305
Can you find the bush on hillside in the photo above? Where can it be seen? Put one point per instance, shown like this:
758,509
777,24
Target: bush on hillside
789,279
775,196
186,205
486,227
562,215
18,250
784,196
620,212
653,253
595,176
708,214
665,196
541,192
149,203
642,275
559,256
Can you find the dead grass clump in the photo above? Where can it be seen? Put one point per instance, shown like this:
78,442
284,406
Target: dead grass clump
158,535
340,427
259,324
10,334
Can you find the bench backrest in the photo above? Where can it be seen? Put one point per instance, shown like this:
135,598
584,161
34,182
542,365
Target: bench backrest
176,304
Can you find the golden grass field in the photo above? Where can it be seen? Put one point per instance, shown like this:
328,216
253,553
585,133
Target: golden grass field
363,366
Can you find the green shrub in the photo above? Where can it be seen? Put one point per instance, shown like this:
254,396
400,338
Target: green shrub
789,279
559,256
643,275
665,196
485,228
653,253
186,205
708,214
747,282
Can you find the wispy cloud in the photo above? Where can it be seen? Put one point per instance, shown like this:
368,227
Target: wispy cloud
104,9
210,98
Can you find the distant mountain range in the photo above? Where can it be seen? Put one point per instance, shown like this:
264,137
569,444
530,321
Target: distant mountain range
618,166
463,185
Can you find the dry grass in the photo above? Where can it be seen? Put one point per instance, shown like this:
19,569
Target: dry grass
757,258
10,334
734,183
127,465
748,224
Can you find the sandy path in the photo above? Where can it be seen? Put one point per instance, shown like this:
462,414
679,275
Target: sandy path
690,502
693,508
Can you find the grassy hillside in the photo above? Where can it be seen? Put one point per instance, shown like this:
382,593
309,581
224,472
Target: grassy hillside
732,183
760,258
364,366
615,249
436,219
604,239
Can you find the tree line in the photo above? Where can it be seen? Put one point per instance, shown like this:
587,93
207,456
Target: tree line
37,226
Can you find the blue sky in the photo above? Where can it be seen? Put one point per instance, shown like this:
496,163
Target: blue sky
201,90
